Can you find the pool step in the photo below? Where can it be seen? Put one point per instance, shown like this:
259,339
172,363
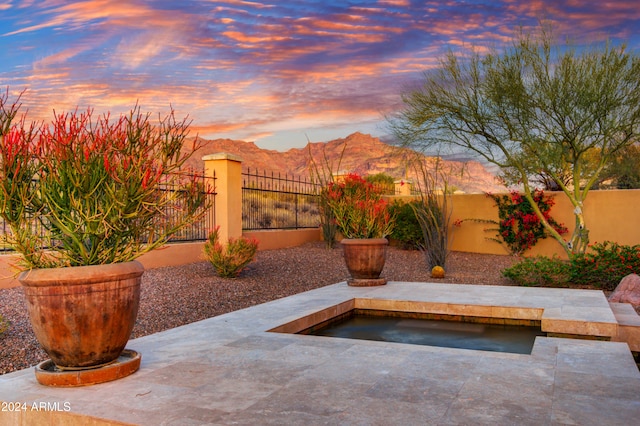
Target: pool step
628,325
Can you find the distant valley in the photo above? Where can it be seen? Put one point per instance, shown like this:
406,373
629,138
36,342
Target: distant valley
357,153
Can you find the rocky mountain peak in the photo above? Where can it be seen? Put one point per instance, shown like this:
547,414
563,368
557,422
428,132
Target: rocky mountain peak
357,153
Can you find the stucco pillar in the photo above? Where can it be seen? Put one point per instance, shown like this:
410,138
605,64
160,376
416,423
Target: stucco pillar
227,169
403,187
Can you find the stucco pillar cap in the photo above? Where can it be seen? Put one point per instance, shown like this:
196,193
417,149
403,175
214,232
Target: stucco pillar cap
222,156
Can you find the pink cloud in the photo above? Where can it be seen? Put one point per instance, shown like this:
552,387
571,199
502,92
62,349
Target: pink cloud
250,68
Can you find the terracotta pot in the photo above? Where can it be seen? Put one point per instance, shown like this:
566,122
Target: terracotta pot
365,260
83,316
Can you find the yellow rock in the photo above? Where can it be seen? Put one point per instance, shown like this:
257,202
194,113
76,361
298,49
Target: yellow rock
437,272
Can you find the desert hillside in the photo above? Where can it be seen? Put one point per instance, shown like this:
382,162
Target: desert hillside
357,153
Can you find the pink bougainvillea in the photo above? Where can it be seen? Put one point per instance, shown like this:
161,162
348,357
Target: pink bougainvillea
519,226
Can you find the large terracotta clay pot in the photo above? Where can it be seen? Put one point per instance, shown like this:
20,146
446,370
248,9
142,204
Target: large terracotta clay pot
365,260
83,316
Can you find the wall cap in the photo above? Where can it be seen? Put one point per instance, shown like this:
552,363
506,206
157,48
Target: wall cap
222,156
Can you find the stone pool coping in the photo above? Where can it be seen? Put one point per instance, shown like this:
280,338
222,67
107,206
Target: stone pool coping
231,369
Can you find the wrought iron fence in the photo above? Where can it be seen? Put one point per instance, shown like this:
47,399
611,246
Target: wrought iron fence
197,231
278,202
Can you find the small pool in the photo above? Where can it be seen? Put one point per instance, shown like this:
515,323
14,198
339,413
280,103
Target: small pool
419,331
505,329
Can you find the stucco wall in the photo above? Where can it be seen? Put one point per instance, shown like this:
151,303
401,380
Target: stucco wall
609,215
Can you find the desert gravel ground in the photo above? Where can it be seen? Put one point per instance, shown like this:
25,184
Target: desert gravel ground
175,296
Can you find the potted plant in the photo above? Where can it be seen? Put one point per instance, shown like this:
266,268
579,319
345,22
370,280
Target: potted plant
83,197
364,220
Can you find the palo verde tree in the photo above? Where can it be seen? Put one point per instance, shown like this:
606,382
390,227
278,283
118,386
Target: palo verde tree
623,171
536,107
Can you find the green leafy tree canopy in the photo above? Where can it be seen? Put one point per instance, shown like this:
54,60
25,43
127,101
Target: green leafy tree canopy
536,107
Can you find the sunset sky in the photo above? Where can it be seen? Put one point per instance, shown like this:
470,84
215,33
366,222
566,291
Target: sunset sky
272,72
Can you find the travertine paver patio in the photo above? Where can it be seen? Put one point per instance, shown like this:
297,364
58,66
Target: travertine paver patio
231,370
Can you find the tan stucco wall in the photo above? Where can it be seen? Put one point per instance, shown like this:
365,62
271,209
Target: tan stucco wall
173,255
610,216
275,239
8,272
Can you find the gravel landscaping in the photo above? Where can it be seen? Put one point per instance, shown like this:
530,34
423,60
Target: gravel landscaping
174,296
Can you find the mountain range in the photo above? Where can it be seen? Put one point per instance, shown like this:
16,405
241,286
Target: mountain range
357,153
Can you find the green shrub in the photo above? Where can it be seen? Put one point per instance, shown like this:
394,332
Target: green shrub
383,182
539,271
605,264
407,230
229,261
